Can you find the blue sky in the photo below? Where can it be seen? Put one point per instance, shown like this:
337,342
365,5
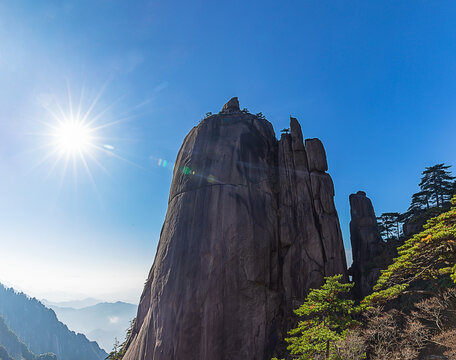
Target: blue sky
375,80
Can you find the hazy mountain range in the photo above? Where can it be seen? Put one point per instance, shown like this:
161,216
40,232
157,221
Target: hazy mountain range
75,304
102,322
12,347
28,321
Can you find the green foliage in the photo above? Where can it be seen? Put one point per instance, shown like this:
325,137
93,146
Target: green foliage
285,131
119,350
437,181
260,116
388,224
420,201
429,255
437,187
326,317
453,274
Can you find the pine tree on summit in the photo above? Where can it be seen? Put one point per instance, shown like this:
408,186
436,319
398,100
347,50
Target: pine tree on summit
437,186
437,181
420,203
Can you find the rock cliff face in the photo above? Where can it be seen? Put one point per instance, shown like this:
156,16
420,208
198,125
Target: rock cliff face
251,226
370,252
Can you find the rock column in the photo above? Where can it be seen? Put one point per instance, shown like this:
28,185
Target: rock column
251,226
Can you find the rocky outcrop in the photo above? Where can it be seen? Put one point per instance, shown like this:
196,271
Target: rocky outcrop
249,229
309,230
231,106
370,252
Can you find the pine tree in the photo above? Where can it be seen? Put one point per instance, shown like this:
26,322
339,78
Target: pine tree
437,181
420,203
437,186
429,256
397,218
119,350
326,318
388,224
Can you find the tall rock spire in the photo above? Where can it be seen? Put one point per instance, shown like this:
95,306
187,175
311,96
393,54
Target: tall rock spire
249,229
312,245
368,248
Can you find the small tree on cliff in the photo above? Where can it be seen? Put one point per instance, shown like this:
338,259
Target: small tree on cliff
429,256
326,318
119,350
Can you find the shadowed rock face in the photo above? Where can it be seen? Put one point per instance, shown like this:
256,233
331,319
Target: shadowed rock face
249,229
368,246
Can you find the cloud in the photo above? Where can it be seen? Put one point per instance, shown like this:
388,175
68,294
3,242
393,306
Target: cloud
113,319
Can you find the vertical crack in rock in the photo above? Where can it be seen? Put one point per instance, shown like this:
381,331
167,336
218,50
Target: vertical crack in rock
234,261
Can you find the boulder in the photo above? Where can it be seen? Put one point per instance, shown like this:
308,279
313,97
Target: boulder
231,106
316,155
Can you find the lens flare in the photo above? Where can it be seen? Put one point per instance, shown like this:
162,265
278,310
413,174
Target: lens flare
162,162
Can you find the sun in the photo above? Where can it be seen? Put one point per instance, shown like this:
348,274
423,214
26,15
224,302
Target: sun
73,136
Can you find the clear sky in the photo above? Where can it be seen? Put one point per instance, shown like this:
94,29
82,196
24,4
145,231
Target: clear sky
375,80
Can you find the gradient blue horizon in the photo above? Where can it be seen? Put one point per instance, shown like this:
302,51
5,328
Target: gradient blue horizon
375,81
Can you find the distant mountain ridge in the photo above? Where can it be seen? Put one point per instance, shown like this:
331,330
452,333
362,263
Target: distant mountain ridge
75,304
4,355
39,328
103,322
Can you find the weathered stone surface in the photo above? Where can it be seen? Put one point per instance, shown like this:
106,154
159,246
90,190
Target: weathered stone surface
248,231
368,247
309,227
316,155
231,106
303,258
